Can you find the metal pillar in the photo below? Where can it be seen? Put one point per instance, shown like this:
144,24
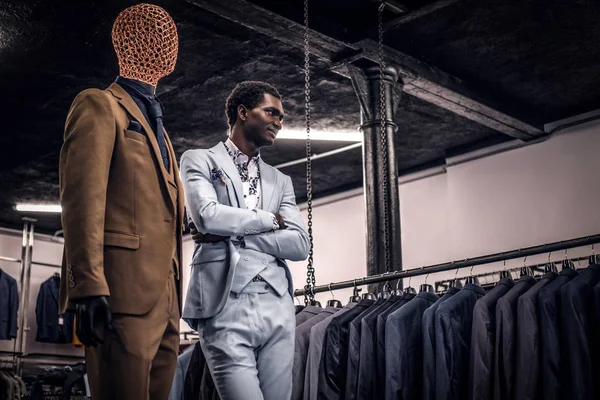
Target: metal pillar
366,84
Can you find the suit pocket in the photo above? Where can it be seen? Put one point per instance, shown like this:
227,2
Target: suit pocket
140,137
123,240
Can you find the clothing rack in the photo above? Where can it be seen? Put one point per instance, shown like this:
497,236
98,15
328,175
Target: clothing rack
440,286
455,265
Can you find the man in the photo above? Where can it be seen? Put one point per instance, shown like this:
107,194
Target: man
240,292
122,216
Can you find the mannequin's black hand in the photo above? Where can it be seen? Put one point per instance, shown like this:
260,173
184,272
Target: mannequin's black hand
91,313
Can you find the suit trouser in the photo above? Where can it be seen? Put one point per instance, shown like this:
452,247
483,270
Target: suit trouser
249,345
137,361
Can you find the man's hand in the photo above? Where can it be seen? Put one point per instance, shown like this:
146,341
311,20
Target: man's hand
204,237
280,221
92,312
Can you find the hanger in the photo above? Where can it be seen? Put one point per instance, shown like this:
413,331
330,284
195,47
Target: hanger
456,283
355,298
504,273
409,289
594,259
472,279
566,263
425,287
550,266
313,303
333,302
386,291
56,275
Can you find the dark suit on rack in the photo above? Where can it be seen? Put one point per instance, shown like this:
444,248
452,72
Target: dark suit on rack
506,332
368,356
307,313
483,339
334,356
403,374
549,317
428,330
354,351
595,335
577,314
9,304
380,349
301,346
527,362
453,322
50,327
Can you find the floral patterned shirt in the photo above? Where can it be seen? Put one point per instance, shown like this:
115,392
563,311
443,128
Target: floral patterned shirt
250,175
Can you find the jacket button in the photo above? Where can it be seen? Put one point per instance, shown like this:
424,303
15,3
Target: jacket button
246,258
72,284
265,262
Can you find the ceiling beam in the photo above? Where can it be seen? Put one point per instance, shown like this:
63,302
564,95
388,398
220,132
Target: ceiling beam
418,13
420,79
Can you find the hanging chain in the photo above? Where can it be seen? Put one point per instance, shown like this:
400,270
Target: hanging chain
384,142
310,270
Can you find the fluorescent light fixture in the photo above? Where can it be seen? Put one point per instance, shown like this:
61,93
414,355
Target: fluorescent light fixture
337,136
42,208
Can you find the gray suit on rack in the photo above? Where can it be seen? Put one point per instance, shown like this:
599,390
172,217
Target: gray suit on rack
246,326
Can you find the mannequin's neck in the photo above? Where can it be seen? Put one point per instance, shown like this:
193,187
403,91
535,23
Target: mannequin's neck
149,83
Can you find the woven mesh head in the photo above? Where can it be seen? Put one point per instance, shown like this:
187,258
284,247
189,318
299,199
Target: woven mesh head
145,39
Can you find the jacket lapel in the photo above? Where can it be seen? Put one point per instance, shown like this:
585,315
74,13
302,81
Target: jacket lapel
226,164
127,102
267,184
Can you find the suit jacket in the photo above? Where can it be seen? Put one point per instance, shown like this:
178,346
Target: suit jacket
354,339
549,317
596,334
368,356
9,304
483,340
183,362
49,328
453,322
506,332
577,312
380,348
428,330
334,356
307,313
313,361
122,211
214,198
527,368
301,346
403,375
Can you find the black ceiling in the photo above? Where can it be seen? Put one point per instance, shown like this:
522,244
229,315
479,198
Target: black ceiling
533,60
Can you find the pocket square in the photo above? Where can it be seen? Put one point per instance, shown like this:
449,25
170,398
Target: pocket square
217,174
135,126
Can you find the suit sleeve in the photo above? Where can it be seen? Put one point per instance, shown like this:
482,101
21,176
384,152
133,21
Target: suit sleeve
14,310
84,170
291,243
204,208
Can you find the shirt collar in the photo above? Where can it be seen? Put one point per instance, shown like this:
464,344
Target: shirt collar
236,154
143,88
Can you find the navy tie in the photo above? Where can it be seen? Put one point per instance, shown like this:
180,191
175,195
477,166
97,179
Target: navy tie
155,112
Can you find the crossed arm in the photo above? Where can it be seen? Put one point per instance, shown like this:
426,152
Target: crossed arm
211,218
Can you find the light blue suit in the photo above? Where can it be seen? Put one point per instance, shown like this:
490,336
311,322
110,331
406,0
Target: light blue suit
246,328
